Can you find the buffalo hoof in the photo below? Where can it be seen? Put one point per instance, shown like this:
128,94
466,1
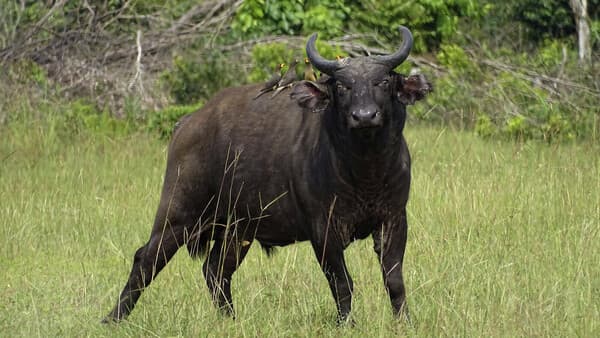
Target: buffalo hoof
112,318
109,320
346,321
404,316
227,311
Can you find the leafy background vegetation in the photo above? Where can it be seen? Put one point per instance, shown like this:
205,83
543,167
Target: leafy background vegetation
503,69
504,212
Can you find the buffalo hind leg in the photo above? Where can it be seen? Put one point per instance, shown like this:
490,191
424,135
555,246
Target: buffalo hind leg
148,261
389,244
222,261
330,256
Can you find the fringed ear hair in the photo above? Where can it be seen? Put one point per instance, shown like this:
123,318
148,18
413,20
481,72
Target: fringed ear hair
313,96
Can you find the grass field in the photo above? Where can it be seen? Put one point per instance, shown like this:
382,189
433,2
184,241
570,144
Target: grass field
503,241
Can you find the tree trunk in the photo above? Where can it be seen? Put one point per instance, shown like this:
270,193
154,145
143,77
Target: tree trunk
580,12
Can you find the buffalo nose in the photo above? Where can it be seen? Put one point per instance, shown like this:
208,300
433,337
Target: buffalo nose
364,115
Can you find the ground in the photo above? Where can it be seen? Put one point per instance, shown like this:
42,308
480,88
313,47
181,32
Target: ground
503,241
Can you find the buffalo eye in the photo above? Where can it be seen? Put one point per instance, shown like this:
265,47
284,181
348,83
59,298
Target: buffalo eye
383,84
341,89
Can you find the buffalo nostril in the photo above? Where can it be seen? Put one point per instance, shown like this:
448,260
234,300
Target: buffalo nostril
369,115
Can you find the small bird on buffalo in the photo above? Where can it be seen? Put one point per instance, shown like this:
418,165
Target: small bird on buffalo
309,73
272,82
288,78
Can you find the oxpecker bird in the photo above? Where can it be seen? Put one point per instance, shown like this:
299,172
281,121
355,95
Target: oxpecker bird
272,82
309,73
288,78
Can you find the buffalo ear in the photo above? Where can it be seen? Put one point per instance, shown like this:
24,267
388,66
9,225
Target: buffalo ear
412,88
310,95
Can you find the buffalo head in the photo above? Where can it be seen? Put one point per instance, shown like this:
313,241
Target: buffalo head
364,92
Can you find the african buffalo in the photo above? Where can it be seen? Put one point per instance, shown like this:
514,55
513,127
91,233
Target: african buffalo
324,161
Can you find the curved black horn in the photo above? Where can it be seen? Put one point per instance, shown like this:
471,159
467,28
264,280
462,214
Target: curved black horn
393,60
326,66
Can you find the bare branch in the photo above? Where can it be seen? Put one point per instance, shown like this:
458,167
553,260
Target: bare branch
218,6
113,17
536,77
42,21
137,79
92,12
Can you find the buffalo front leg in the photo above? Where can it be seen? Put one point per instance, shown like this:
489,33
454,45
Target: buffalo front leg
222,261
330,255
148,261
389,244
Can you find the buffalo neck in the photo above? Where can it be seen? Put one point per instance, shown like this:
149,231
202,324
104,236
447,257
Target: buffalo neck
363,157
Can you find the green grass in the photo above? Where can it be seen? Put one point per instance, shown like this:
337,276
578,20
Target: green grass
503,241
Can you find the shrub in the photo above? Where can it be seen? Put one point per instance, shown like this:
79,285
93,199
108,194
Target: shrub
432,21
266,57
82,116
260,17
327,18
189,81
162,121
513,104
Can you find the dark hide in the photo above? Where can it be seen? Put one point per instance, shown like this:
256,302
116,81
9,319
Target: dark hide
282,170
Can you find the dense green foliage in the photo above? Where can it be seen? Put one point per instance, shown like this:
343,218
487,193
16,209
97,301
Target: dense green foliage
432,20
543,19
190,80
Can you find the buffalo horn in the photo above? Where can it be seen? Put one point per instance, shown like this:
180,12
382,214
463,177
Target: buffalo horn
326,66
393,60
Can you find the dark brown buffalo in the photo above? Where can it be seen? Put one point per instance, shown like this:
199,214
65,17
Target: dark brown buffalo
326,163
